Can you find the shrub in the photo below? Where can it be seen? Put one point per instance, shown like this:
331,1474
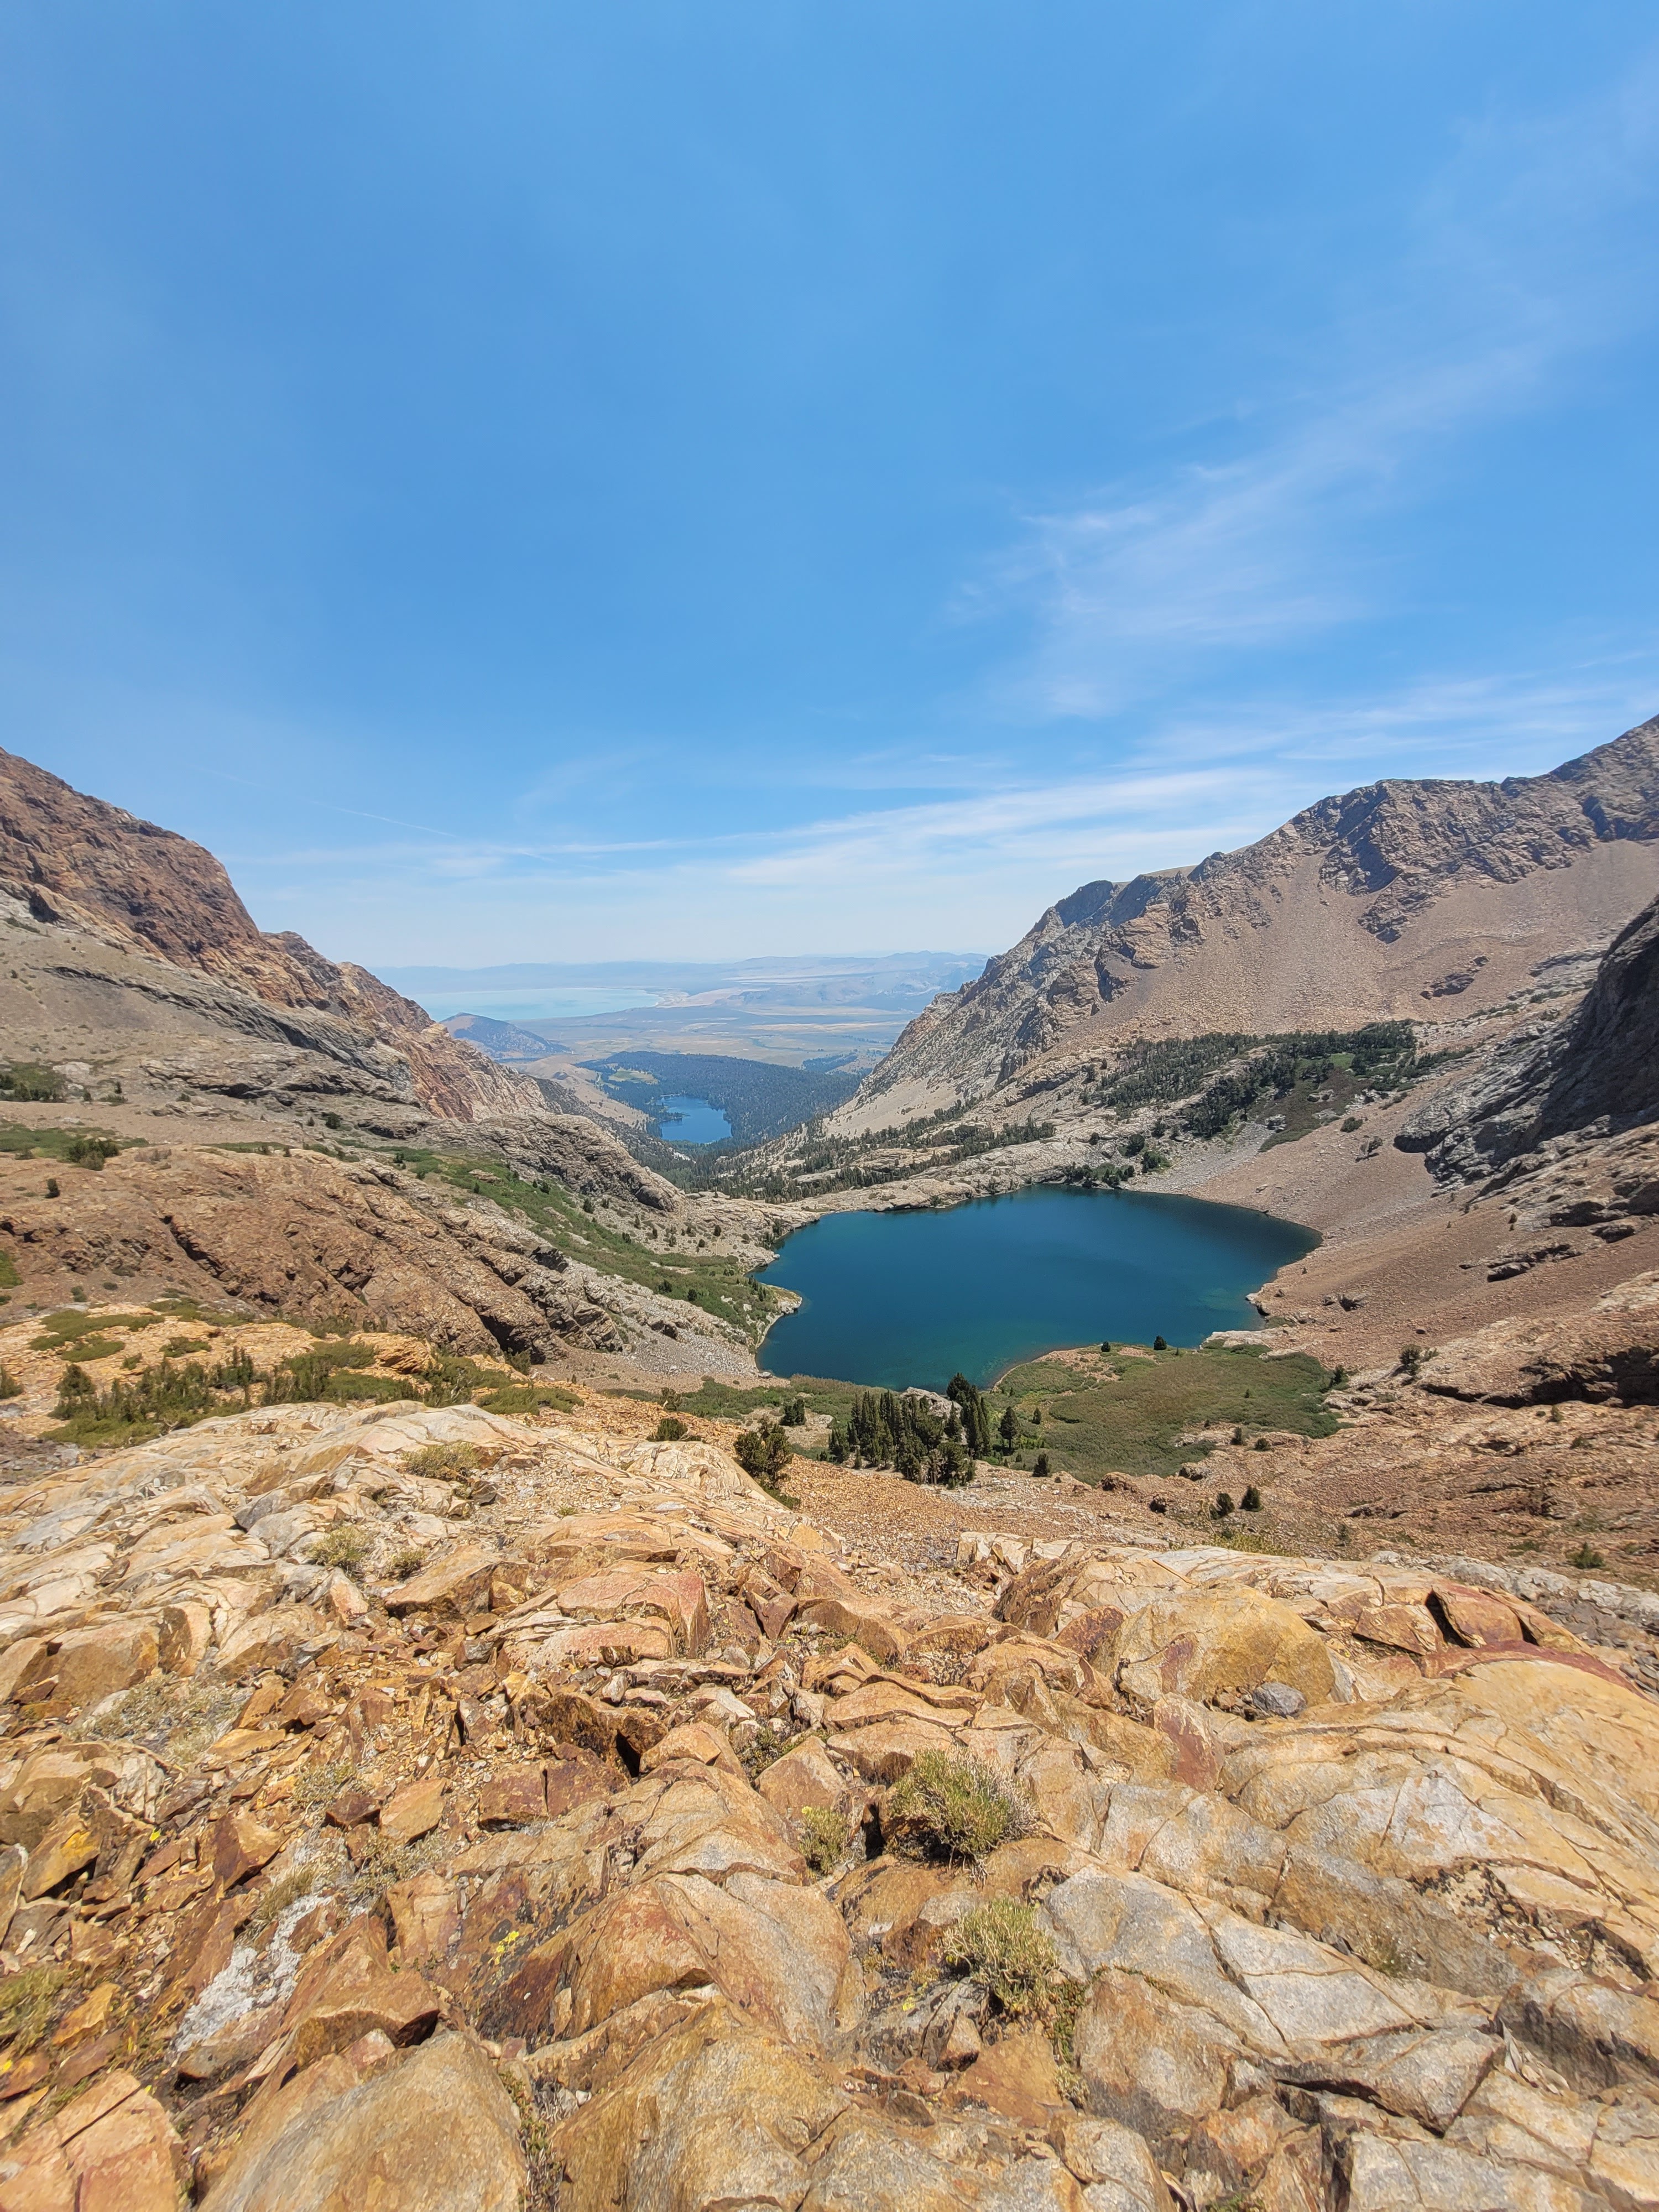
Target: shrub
90,1151
1412,1357
443,1462
1159,1345
1252,1499
26,2005
1040,1464
28,1078
823,1838
1223,1505
345,1547
1001,1946
793,1415
946,1807
408,1561
669,1430
9,1385
762,1453
1340,1379
52,1190
1350,1123
1587,1556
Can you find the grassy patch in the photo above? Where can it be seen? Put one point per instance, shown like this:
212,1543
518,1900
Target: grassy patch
443,1462
517,1398
58,1330
950,1809
25,1142
26,2001
727,1401
1129,1414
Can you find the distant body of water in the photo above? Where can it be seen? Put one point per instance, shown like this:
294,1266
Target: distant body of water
691,1122
903,1298
570,1002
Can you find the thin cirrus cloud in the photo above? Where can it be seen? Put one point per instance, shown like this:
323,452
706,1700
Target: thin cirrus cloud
1531,253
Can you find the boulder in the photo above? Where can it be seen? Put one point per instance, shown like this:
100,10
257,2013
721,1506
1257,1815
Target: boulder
449,1589
114,2149
431,2131
715,2112
414,1810
90,1664
805,1779
271,1643
1218,1647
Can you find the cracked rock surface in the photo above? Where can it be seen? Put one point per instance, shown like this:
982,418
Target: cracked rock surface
425,1808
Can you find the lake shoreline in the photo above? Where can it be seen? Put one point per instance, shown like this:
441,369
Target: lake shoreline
1018,1290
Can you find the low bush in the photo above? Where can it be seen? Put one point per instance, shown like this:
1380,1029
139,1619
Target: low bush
90,1151
345,1546
824,1838
1001,1946
669,1430
950,1809
443,1462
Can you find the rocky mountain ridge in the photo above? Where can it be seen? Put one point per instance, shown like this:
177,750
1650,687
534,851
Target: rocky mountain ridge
1383,904
195,960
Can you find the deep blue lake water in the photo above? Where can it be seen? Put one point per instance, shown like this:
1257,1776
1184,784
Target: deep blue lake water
898,1298
691,1122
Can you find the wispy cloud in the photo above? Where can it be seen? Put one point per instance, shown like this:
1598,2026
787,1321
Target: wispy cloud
1532,250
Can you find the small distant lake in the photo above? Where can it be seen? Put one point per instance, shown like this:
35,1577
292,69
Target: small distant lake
902,1299
691,1122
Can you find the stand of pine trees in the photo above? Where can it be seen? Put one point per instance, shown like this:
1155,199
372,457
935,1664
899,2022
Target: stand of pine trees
883,1430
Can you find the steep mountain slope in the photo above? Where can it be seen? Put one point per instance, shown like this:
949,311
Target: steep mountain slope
168,913
1385,903
1597,1069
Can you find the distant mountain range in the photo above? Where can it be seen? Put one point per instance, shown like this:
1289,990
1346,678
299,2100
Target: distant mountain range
1399,900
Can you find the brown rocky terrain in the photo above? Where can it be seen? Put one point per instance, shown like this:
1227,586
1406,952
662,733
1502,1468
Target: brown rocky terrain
446,1812
1398,901
147,967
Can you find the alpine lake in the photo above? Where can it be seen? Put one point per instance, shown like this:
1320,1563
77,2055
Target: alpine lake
917,1297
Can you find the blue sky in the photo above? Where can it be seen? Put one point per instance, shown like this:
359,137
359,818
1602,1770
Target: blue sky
541,481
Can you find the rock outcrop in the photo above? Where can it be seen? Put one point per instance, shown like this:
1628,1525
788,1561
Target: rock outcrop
1596,1070
641,1844
83,867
